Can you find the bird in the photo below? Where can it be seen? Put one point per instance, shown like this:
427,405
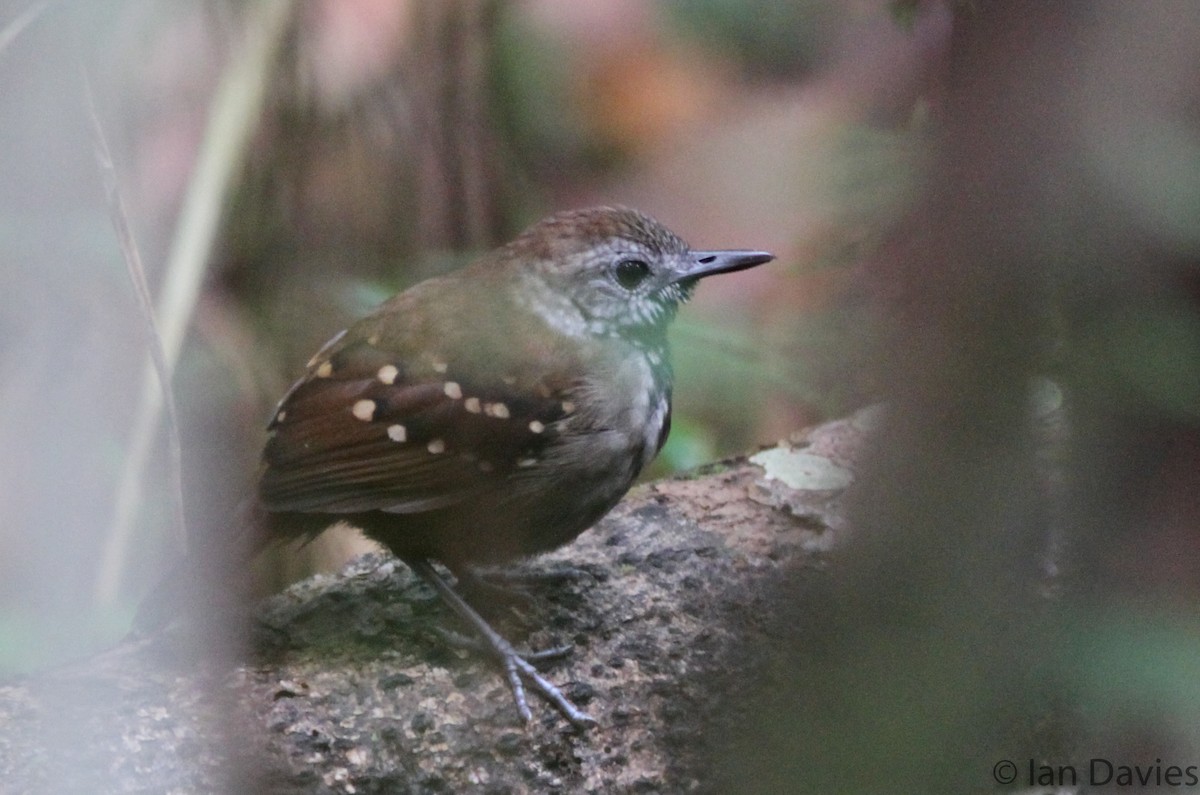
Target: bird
493,413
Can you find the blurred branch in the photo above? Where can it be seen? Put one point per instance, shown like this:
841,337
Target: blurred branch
234,118
459,185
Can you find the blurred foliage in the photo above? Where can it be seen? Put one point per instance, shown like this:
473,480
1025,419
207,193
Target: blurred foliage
1156,353
1015,589
907,12
689,445
534,104
1136,662
767,38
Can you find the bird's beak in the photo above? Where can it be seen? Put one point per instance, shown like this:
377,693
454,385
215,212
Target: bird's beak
710,263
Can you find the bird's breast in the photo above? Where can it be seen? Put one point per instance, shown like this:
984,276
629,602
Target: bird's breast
633,407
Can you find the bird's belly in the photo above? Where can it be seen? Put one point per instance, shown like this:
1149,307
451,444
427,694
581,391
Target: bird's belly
575,492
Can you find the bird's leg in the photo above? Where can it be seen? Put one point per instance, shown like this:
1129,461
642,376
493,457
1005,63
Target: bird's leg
515,582
483,589
515,666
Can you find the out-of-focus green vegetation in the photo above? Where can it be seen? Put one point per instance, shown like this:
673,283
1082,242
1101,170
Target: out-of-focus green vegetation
763,37
965,197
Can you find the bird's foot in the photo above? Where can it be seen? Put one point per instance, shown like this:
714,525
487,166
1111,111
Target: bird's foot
517,669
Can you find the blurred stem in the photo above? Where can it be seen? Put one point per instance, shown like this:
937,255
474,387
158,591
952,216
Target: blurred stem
137,276
234,117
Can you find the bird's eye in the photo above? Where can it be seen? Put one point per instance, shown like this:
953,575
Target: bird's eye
631,272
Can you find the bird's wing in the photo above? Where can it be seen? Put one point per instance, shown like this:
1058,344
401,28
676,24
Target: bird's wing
375,425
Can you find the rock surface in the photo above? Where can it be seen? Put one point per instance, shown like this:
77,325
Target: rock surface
350,687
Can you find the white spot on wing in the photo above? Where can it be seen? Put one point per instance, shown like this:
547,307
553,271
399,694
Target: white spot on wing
397,433
452,390
325,370
364,410
497,410
436,446
387,374
536,427
472,405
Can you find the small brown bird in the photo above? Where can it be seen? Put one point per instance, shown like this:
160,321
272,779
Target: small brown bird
496,412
